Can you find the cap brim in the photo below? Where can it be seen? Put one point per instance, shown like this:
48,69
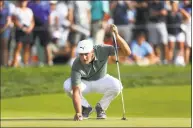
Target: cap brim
83,51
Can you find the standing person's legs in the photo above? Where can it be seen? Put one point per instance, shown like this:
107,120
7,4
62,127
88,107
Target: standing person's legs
44,37
74,38
97,32
27,40
181,40
126,32
4,36
188,42
188,45
179,59
171,47
19,44
187,54
4,51
26,54
16,53
10,40
163,39
153,37
100,35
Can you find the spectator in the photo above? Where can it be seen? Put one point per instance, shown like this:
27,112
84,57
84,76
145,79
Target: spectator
124,18
41,11
167,4
59,54
157,31
11,26
187,5
142,52
186,9
54,19
175,33
5,21
81,21
99,10
141,16
24,22
64,14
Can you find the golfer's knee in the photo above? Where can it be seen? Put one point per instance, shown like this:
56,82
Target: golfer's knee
117,87
67,85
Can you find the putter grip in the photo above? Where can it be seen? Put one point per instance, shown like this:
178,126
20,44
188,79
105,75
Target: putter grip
115,46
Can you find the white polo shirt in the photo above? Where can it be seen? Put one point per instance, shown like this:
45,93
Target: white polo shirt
24,16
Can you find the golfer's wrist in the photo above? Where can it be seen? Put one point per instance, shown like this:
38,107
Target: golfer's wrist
116,34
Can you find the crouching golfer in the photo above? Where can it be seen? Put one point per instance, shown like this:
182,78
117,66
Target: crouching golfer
89,74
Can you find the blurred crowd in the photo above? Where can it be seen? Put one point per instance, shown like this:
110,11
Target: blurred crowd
157,31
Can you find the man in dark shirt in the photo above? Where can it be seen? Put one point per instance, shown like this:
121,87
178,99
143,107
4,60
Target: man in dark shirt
141,16
157,31
121,18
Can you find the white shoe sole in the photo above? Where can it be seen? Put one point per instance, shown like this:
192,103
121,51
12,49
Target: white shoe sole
101,117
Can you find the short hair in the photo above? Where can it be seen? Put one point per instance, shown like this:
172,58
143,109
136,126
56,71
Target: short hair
141,34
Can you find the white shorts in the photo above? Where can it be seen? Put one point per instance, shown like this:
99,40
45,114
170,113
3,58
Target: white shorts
188,33
176,38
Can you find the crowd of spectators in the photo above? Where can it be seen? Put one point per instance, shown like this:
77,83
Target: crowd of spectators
158,32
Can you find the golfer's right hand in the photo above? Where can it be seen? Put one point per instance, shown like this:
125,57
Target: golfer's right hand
114,29
78,117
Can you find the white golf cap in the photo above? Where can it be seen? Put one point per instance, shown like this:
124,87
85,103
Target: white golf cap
85,46
53,2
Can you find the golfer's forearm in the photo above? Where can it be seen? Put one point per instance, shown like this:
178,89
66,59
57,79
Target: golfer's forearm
77,102
124,47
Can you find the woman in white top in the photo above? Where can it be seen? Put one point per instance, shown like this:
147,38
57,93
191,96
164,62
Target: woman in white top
24,23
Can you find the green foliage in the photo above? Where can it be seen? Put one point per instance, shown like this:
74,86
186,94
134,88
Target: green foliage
32,80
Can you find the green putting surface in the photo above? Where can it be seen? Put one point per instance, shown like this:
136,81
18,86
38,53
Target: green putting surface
163,106
110,122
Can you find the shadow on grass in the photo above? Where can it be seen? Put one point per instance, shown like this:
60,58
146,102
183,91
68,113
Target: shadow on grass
51,119
38,119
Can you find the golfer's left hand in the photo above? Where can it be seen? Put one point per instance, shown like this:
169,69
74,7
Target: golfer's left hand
114,29
78,117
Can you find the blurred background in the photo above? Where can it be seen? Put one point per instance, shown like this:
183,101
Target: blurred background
38,33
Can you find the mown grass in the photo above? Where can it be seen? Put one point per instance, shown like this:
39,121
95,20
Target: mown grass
17,82
157,101
110,122
155,106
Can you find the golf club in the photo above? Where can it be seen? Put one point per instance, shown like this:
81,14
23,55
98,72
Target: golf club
117,61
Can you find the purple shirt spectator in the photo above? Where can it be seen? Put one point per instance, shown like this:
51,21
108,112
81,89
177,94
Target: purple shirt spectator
4,13
41,11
